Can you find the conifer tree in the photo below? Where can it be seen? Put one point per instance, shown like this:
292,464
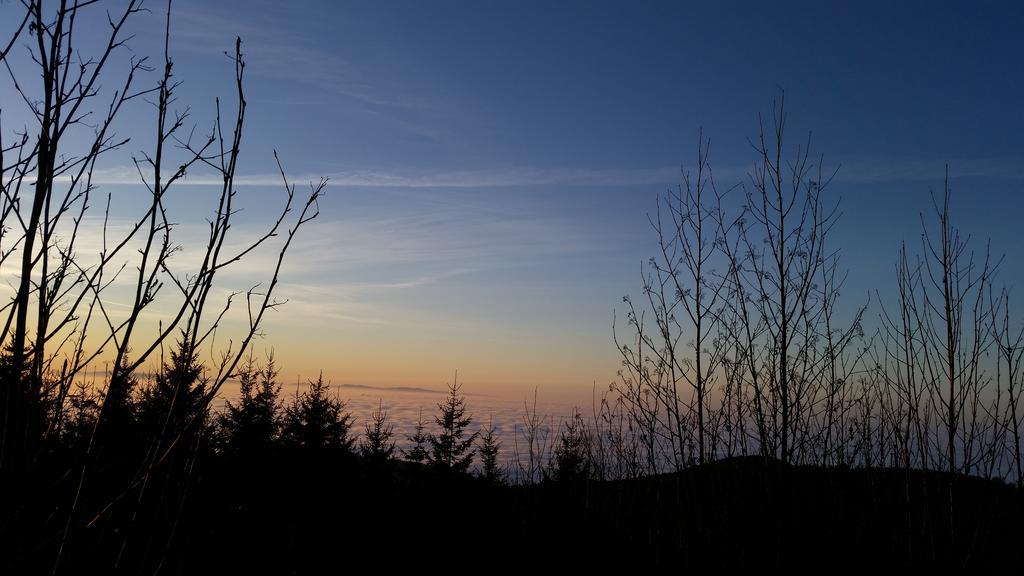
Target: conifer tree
571,459
118,402
117,434
489,448
80,412
173,408
420,439
316,420
253,423
451,449
377,444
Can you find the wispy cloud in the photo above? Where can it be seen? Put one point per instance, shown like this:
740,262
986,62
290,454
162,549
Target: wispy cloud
910,170
349,300
849,170
278,47
461,238
370,178
356,267
870,170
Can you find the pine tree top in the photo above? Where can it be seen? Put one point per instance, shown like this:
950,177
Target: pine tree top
451,448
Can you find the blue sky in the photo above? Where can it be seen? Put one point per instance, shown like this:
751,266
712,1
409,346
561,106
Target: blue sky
492,163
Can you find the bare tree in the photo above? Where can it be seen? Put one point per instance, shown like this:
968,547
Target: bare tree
683,294
1010,344
956,334
747,298
530,443
60,323
900,365
787,256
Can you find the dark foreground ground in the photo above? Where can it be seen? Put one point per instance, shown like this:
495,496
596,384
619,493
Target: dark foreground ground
296,515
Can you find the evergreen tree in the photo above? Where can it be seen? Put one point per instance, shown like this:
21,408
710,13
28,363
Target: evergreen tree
173,408
489,448
451,449
316,420
24,415
571,459
420,439
377,444
119,403
175,430
118,433
252,424
79,417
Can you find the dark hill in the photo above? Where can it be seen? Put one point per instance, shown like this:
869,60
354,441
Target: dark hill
291,514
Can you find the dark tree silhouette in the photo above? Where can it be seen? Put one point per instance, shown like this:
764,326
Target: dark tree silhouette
451,449
1010,346
72,66
102,474
118,433
571,459
377,444
420,439
79,417
684,295
119,404
956,334
252,424
173,406
489,448
316,420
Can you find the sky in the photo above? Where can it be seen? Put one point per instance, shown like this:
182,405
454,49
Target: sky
492,164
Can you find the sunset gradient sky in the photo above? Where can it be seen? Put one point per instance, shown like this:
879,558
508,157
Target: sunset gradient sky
492,164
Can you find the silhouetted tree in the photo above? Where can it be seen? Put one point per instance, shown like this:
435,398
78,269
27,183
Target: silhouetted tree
451,449
119,401
72,66
530,443
490,446
785,243
79,420
377,444
683,293
571,459
420,440
957,334
316,420
1010,345
118,434
172,409
252,424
